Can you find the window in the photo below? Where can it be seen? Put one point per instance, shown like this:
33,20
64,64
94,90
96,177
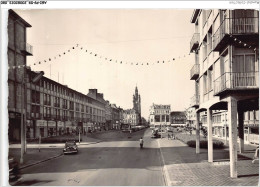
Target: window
157,118
163,118
205,89
210,81
167,118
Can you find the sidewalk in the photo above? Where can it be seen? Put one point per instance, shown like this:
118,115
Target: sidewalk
47,151
183,167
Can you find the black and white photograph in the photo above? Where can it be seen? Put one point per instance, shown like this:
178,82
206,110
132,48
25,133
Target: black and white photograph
128,96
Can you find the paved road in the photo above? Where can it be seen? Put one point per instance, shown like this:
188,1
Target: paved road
109,163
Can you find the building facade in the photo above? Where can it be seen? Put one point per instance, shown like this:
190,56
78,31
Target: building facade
18,50
226,71
159,115
178,118
131,117
191,117
54,109
115,117
108,115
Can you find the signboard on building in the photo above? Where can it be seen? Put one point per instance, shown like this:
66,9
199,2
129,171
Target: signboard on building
29,123
41,123
68,123
51,124
60,124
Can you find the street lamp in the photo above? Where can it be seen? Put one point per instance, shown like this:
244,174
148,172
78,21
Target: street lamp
23,116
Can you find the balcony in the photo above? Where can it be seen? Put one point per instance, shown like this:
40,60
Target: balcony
195,72
195,101
245,29
26,48
194,43
235,82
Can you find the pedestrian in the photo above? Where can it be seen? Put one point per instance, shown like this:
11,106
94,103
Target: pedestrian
173,136
169,136
141,142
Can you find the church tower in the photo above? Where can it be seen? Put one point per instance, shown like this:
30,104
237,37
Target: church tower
137,102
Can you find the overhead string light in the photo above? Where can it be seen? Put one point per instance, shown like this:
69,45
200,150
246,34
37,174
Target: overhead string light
87,51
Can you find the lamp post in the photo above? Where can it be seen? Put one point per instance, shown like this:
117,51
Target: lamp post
22,122
23,116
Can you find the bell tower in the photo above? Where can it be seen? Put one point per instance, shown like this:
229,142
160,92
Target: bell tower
137,102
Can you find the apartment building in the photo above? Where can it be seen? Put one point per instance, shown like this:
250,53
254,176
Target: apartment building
219,123
178,118
131,117
226,71
115,117
191,117
108,111
55,109
159,115
18,50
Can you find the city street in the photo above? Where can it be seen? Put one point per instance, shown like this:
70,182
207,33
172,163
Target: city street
108,163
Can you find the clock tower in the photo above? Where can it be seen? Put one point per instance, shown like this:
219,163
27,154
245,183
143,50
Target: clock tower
137,102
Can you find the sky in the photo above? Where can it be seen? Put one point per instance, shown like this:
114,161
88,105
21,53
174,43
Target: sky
129,35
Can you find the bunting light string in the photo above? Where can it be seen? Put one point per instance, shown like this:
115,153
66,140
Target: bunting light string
72,49
87,51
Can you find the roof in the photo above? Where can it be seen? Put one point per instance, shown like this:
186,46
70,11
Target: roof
19,18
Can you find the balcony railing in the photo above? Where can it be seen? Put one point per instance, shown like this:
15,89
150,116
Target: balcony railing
194,43
235,26
195,101
236,81
194,72
26,48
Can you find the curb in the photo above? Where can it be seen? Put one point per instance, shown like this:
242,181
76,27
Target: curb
41,161
92,143
165,169
38,162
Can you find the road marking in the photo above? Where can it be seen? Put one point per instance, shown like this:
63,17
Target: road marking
164,169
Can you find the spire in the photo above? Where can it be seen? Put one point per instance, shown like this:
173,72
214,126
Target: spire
136,89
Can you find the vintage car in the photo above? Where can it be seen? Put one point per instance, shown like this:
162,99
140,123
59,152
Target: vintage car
14,173
155,134
70,147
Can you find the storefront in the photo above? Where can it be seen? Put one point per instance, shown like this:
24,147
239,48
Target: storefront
68,127
85,128
60,125
29,129
51,128
90,126
41,128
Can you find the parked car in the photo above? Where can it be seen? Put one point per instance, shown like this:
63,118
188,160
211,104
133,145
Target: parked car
70,147
14,173
155,134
